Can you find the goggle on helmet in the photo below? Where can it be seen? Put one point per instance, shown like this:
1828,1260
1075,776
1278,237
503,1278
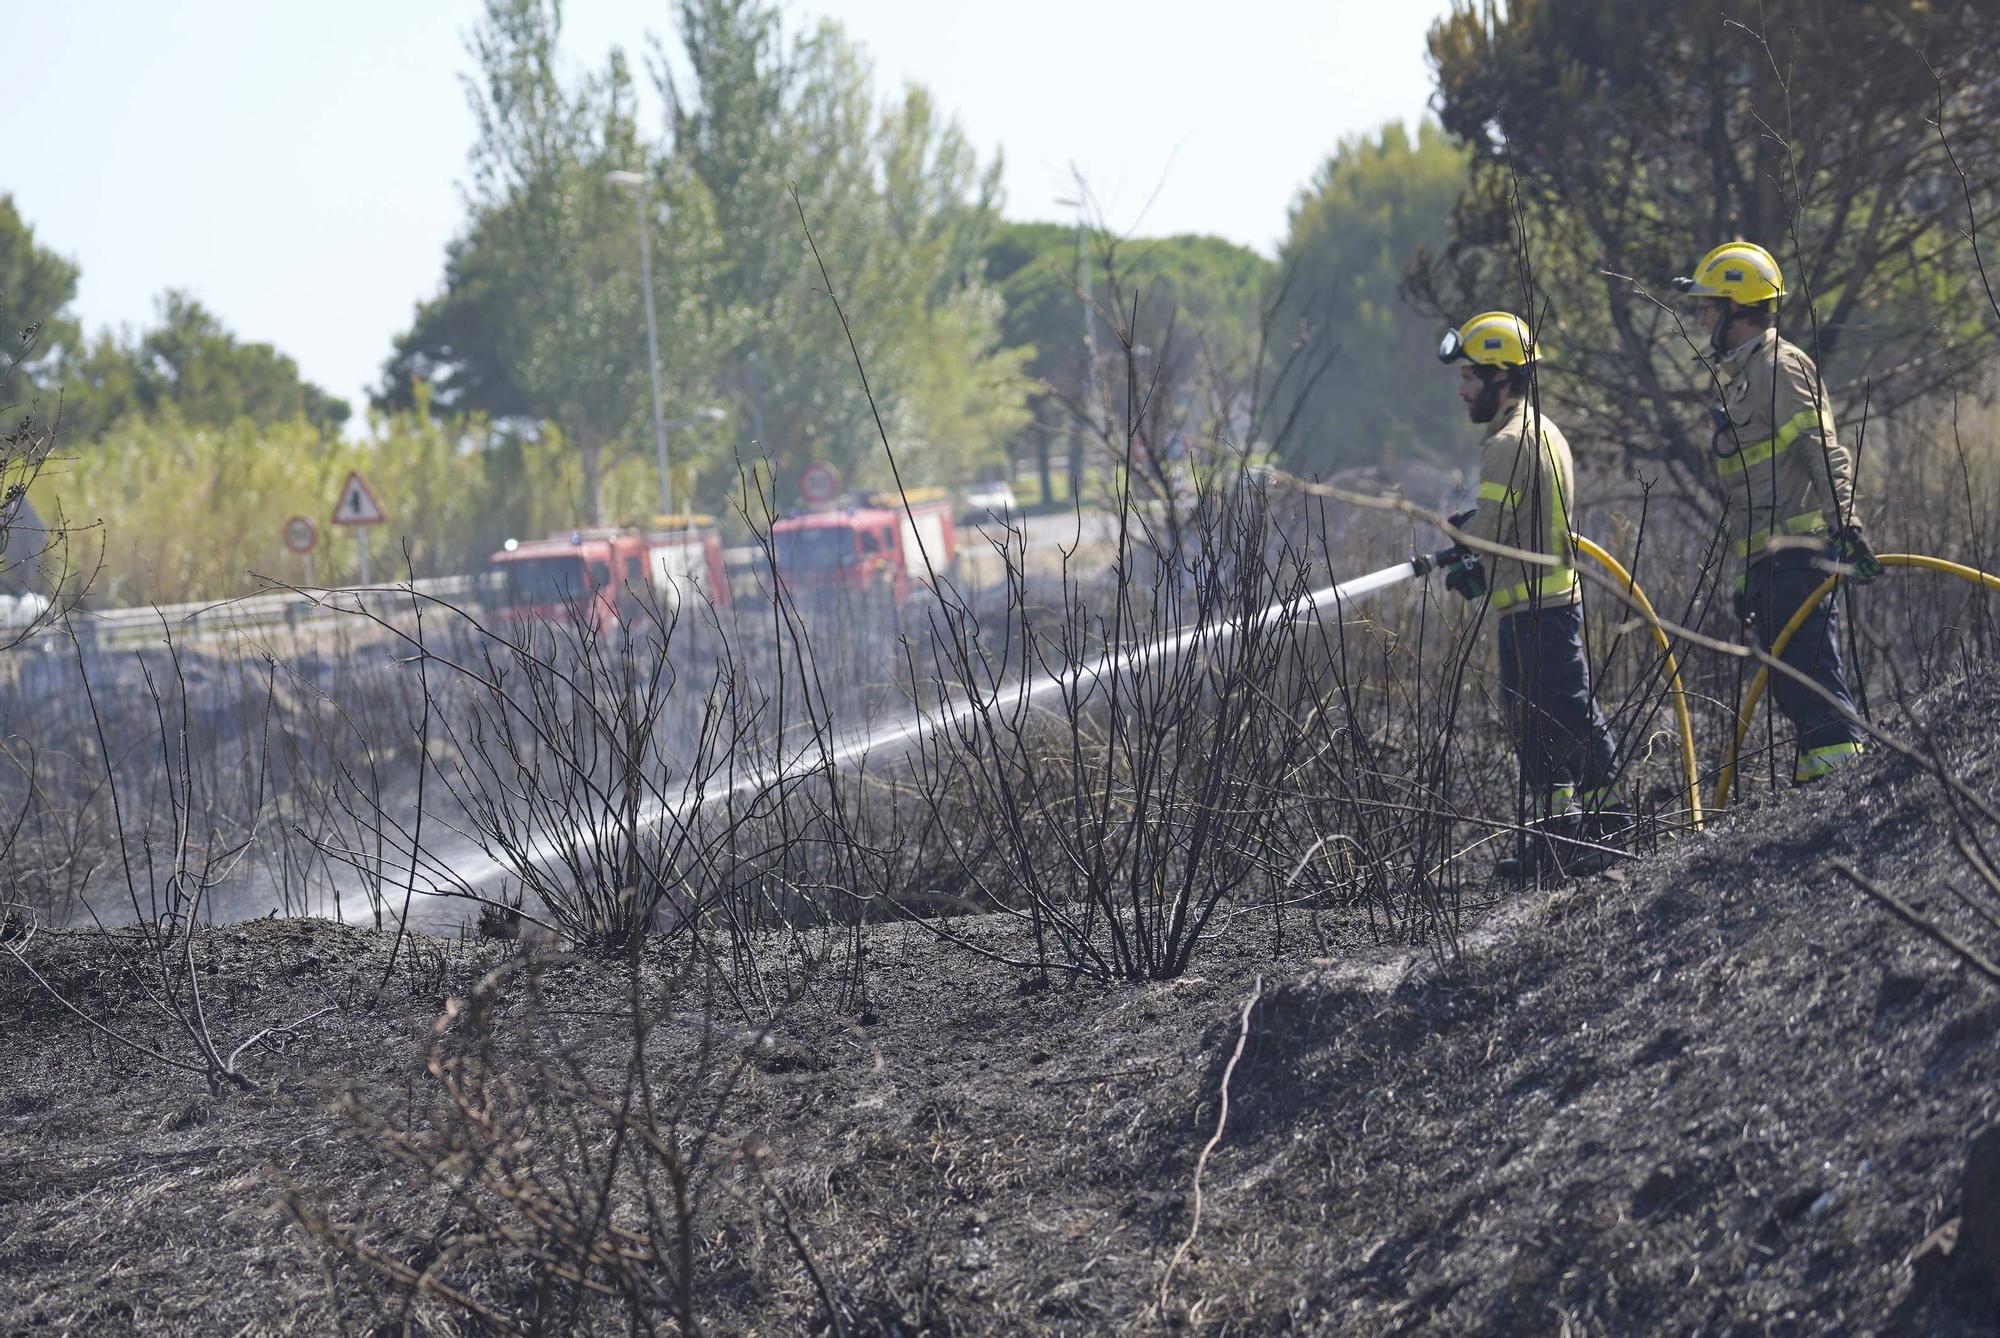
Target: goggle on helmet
1491,339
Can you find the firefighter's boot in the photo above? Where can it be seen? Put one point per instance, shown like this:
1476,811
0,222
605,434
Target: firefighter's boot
1609,825
1819,763
1549,847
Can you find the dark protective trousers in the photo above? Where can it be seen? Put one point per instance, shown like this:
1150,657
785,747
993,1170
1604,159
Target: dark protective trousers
1559,734
1773,589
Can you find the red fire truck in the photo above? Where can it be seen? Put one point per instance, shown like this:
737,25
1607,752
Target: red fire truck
609,572
867,548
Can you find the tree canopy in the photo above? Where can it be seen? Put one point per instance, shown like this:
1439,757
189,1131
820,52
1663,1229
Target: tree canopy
192,367
36,288
541,313
1353,363
1191,302
1614,143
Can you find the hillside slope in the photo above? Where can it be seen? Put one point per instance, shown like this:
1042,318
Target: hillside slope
1718,1090
1727,1093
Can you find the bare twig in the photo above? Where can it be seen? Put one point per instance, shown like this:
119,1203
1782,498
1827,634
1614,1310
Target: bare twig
1221,1123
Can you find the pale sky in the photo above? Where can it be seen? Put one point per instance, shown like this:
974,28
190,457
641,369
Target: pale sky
298,166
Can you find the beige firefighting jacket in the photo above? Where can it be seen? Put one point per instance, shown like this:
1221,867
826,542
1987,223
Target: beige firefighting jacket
1782,469
1525,482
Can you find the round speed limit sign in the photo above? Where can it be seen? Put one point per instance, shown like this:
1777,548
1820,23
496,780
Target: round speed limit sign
819,483
301,534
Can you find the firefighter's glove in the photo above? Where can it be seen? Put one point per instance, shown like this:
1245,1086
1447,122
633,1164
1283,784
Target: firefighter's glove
1457,521
1465,577
1851,547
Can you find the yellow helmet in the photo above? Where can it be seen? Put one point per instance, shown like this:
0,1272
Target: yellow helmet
1491,339
1743,272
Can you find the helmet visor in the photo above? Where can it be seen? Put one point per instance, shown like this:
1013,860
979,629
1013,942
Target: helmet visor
1451,347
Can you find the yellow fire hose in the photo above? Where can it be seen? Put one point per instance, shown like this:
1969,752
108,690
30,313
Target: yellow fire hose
1681,719
1784,638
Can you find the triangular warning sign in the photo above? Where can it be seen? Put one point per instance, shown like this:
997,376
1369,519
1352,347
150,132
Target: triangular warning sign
357,504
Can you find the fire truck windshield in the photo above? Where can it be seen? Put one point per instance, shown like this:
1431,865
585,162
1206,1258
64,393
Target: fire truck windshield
543,580
820,548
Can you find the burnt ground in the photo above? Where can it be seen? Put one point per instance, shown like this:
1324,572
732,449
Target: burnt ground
1715,1091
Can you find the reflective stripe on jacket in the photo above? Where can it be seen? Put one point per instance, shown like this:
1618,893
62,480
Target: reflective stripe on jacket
1526,478
1782,469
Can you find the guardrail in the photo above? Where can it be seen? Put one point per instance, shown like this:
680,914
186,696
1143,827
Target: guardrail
295,610
301,610
287,609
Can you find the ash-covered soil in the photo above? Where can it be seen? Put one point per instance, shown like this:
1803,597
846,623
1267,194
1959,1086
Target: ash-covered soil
1716,1091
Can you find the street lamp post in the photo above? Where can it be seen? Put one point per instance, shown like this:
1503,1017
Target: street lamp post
636,183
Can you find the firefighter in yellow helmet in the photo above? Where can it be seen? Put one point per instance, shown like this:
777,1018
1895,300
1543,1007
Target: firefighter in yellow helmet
1526,492
1788,486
